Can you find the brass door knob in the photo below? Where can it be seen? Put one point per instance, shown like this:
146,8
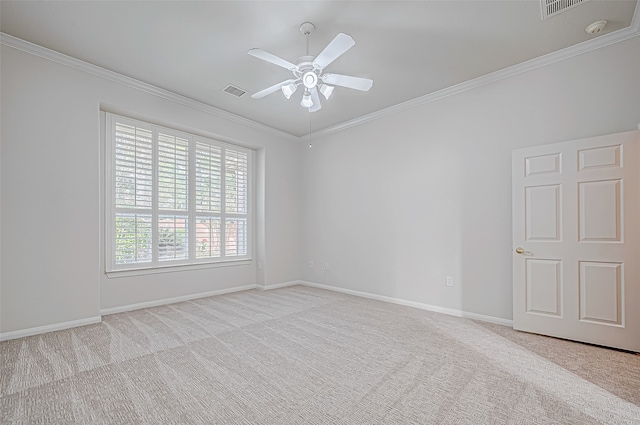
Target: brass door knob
520,250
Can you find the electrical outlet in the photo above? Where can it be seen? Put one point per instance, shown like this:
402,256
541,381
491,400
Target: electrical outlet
449,280
310,263
326,267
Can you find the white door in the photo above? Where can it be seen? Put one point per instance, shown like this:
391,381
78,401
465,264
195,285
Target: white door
576,240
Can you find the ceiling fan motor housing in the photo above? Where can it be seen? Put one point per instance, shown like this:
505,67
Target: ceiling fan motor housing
306,72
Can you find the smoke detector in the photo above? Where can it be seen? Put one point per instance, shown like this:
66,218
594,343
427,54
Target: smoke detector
596,27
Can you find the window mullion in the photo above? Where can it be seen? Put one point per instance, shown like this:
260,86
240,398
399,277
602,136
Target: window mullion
249,204
124,210
236,215
110,221
191,199
223,204
154,202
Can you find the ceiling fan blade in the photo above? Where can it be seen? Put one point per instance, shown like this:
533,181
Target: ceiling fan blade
348,81
269,90
340,44
315,99
266,56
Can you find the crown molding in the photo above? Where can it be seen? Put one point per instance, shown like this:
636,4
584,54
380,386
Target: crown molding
578,49
52,55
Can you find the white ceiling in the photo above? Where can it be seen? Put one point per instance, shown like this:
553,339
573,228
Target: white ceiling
409,48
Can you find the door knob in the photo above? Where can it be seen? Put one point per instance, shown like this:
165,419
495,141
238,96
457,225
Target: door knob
520,250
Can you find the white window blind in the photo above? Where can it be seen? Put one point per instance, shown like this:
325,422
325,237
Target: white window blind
133,148
174,198
208,201
236,186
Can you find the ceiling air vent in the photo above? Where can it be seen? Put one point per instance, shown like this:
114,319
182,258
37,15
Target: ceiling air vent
553,7
236,91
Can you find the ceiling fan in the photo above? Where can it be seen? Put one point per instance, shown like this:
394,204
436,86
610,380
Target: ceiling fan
308,71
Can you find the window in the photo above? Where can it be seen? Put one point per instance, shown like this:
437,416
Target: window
174,198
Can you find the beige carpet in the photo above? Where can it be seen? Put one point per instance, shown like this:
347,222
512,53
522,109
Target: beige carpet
301,355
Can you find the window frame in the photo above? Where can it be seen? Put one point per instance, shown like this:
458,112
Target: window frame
191,262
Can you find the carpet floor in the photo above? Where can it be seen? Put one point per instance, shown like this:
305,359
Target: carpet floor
301,355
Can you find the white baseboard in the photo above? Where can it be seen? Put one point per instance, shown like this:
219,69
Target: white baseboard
5,336
279,285
155,303
434,308
130,307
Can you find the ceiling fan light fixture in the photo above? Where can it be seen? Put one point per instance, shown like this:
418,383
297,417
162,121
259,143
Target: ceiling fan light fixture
326,90
310,79
289,89
306,100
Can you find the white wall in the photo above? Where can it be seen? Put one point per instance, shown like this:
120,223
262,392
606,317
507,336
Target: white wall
51,207
393,205
396,204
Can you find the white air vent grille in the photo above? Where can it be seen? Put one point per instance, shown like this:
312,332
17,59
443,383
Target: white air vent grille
553,7
236,91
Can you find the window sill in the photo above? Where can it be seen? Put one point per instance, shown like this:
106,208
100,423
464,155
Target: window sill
114,274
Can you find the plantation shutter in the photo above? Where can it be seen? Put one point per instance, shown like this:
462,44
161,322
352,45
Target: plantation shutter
133,193
173,169
236,202
134,166
208,201
174,198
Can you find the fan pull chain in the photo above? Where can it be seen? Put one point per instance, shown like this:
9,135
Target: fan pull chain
310,145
